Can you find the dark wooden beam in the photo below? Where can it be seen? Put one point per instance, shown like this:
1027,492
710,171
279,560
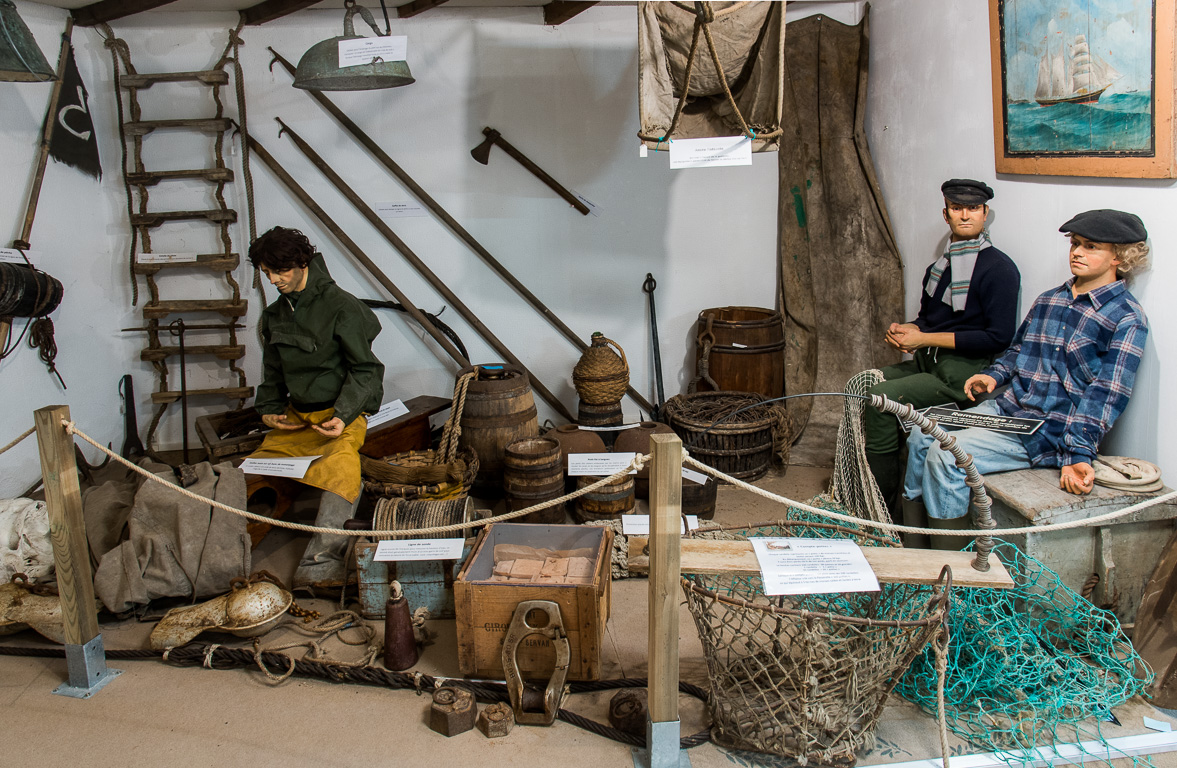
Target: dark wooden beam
559,11
409,10
109,10
273,9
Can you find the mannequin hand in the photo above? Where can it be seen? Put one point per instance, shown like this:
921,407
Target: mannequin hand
902,336
278,421
332,427
1077,478
979,383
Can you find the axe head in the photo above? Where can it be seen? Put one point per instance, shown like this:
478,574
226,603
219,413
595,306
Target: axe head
481,153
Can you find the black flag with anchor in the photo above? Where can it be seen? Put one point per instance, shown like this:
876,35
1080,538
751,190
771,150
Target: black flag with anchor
72,141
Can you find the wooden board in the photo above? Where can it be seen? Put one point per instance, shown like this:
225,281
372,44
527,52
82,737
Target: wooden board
409,432
1034,495
890,564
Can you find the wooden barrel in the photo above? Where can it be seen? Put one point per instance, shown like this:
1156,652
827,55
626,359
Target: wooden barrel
747,352
607,415
742,447
533,472
609,502
499,409
700,499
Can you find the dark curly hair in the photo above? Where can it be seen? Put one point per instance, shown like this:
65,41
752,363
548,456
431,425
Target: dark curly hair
281,249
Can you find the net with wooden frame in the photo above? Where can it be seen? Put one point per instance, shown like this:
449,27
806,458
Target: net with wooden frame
807,676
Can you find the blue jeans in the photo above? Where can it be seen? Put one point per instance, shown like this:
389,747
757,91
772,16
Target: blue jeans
932,472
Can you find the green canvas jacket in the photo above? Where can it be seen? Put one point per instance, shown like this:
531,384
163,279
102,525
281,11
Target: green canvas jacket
318,349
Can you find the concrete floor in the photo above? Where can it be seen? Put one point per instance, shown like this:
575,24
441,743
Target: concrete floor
160,715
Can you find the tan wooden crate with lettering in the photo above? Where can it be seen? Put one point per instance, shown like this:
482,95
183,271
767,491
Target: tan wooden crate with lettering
485,608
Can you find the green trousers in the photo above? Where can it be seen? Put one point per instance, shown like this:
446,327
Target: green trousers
933,377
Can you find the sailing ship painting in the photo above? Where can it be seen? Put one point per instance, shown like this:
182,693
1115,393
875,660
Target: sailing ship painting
1077,77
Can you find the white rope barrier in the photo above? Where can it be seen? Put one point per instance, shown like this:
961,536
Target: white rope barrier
18,440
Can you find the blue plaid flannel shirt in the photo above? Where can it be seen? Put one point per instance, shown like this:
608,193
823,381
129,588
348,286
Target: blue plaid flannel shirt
1073,362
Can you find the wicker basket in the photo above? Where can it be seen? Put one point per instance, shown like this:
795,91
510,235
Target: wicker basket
743,445
601,377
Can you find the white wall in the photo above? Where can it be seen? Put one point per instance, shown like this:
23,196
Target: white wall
931,118
566,96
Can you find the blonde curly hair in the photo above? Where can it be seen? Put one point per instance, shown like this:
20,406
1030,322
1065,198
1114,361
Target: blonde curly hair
1133,257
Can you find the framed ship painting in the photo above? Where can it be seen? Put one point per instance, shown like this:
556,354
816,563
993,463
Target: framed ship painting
1083,87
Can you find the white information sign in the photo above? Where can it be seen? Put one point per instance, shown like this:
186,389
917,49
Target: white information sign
693,476
591,205
387,412
599,464
812,566
706,153
13,256
639,525
166,258
423,549
402,209
438,420
295,467
363,50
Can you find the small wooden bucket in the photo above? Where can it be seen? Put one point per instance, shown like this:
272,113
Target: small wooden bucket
609,502
533,472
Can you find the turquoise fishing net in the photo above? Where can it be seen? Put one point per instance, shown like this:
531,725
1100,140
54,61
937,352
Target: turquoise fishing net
1030,666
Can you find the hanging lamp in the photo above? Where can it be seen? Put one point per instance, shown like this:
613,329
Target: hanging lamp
21,61
319,69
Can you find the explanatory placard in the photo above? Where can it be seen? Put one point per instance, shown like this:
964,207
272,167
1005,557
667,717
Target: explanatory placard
599,464
419,549
711,152
639,525
791,566
354,51
295,467
387,412
1014,425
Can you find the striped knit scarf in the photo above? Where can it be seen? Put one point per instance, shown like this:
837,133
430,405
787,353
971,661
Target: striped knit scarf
962,255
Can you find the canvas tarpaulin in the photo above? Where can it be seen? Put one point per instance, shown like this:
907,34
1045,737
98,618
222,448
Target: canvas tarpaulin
841,276
748,40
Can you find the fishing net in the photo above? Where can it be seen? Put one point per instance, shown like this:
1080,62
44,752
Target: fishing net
806,676
852,487
1030,665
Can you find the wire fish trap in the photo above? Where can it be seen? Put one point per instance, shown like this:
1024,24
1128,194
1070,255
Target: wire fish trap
806,676
738,444
447,472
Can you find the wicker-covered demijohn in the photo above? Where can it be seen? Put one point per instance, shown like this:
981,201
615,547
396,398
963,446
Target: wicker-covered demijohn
601,376
806,677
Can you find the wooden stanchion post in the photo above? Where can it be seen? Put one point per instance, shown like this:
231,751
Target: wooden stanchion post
85,656
662,728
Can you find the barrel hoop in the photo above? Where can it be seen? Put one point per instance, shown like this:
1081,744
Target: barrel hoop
501,420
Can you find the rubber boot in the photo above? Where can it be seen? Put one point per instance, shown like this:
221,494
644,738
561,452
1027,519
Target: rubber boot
915,514
324,560
885,467
950,543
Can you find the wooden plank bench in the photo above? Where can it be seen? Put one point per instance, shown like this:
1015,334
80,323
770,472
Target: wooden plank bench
1122,553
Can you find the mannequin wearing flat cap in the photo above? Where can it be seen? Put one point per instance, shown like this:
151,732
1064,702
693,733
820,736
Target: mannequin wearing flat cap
1072,365
968,313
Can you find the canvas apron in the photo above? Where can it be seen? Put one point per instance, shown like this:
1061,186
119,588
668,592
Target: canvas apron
338,469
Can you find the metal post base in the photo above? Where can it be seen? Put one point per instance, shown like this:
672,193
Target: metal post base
664,750
88,672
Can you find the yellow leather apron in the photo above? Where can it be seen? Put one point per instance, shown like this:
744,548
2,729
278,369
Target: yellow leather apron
338,468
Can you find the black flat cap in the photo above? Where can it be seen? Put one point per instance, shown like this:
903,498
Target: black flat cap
966,191
1107,226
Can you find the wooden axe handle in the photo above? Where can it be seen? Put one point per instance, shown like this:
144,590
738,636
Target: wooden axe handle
497,138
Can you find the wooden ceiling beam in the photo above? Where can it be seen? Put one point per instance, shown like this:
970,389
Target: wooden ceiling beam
409,10
109,10
559,11
273,9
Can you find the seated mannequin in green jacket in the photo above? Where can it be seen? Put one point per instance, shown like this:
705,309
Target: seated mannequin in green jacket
319,378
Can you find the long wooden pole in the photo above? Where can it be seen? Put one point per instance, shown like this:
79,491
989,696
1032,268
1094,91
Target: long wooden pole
305,198
422,269
359,135
67,530
665,522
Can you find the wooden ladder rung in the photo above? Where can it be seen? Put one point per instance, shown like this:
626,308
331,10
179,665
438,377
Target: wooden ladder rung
144,127
221,351
155,219
226,307
229,393
208,77
148,178
215,262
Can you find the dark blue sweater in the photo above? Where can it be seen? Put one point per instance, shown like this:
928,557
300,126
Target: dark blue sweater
990,317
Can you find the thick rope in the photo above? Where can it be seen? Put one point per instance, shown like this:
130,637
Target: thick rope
1000,532
941,674
18,440
638,463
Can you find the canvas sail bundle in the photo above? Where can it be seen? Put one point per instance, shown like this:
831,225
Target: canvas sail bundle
726,58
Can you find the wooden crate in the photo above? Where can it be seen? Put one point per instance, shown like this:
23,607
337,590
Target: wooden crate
485,608
210,428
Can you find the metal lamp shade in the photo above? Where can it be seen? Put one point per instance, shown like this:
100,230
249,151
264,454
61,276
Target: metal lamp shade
21,61
319,70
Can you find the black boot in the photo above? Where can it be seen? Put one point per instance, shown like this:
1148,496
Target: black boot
885,468
915,515
951,543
